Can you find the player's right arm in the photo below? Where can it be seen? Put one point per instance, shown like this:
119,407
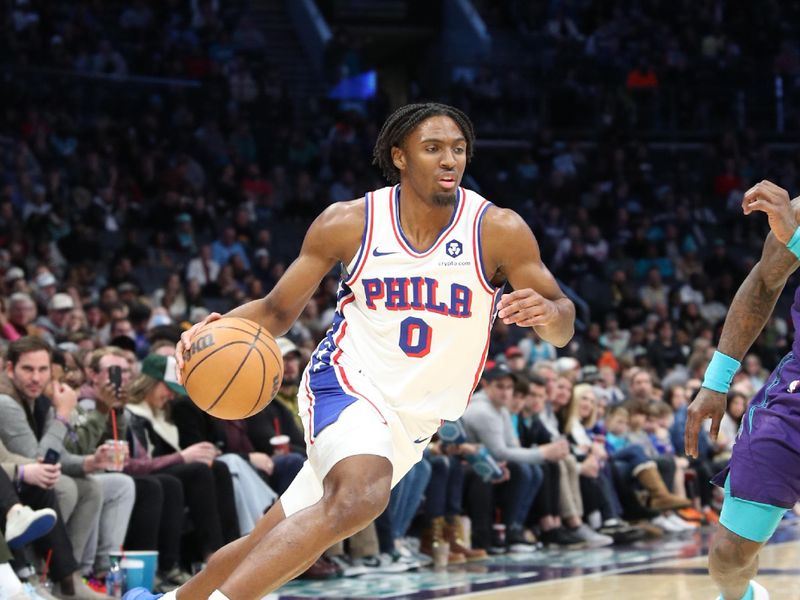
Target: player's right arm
334,236
754,301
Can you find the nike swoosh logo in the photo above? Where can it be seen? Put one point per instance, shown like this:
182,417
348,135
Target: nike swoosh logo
422,440
377,252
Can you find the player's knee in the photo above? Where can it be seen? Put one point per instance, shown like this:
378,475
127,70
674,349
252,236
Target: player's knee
353,507
730,553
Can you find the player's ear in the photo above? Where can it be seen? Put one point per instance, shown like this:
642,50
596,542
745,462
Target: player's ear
398,157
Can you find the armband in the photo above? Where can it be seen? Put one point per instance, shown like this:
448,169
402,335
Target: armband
720,372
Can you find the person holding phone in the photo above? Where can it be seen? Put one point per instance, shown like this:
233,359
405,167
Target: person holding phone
31,423
157,517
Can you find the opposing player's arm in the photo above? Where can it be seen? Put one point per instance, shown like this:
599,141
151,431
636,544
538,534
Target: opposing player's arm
334,236
511,254
756,297
754,301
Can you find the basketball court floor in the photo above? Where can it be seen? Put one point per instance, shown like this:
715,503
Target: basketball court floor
667,569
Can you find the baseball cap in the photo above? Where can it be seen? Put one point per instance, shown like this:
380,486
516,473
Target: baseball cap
286,346
499,371
13,274
45,279
566,364
61,301
163,368
513,351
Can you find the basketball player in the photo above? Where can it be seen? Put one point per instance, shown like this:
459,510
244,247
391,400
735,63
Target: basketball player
762,480
425,261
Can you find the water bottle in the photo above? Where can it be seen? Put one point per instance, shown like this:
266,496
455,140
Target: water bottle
452,432
114,579
484,465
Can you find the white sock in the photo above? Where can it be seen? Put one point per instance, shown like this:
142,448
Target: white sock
9,582
173,595
217,595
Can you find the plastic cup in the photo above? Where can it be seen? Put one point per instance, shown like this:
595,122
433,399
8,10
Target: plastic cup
118,452
134,573
280,444
441,554
149,560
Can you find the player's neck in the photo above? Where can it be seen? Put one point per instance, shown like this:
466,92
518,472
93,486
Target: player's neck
421,219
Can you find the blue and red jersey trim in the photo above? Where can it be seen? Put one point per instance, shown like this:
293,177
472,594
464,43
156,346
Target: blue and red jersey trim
394,208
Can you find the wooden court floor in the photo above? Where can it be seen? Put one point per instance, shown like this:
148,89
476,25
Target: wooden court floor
670,580
669,568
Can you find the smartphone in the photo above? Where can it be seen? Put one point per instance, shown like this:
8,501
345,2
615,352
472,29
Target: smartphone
51,457
115,377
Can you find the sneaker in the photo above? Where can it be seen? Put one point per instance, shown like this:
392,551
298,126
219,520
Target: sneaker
347,566
415,560
84,592
36,591
667,524
563,537
140,594
517,542
622,532
591,537
685,525
383,563
97,584
25,525
22,594
691,514
759,591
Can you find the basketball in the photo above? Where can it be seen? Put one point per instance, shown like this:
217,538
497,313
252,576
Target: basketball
233,368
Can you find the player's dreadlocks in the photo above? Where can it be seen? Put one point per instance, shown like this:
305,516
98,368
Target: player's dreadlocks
402,121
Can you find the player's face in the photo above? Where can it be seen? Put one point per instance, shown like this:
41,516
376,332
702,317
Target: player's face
31,374
432,159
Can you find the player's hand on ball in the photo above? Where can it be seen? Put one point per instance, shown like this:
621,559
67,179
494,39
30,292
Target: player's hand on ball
526,308
185,342
774,201
707,404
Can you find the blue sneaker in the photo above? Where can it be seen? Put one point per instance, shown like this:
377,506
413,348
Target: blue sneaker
140,594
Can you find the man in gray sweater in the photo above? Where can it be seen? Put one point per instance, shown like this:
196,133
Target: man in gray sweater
487,421
31,424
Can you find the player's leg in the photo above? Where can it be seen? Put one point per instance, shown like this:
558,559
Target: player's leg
732,563
356,491
224,560
745,526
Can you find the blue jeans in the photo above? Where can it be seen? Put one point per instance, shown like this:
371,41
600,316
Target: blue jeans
446,487
287,466
520,492
406,497
627,459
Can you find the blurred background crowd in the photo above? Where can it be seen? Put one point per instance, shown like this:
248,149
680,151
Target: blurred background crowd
161,160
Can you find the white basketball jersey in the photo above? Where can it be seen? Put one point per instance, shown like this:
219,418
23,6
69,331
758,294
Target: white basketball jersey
415,323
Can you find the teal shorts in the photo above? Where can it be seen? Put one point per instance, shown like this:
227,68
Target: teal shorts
751,520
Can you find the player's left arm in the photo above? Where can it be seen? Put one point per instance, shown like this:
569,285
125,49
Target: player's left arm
511,253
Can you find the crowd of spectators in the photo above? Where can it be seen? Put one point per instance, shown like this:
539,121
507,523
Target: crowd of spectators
655,66
129,210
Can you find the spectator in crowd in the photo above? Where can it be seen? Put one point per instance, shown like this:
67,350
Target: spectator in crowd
488,422
31,424
157,513
207,486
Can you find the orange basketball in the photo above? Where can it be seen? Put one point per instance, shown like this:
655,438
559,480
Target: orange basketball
233,368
